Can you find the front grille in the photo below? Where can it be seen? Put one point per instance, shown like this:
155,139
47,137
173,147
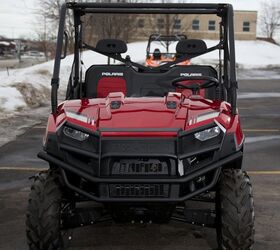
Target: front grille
139,167
139,190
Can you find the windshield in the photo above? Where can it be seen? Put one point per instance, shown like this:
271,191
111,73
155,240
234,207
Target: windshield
135,29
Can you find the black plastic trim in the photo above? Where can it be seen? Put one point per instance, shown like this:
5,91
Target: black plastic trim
137,155
79,151
139,129
198,152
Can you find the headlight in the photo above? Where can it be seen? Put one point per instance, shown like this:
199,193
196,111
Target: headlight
207,134
75,134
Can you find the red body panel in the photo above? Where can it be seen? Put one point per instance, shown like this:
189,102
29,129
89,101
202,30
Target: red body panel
147,112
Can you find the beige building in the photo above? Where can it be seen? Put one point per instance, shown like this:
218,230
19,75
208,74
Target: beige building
196,26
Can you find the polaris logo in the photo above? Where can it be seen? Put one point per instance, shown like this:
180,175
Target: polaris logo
190,74
112,74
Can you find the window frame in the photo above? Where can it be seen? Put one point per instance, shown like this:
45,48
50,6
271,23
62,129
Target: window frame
160,23
197,25
177,24
141,23
211,25
246,26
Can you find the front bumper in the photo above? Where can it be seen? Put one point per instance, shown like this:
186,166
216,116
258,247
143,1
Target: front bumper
92,162
216,167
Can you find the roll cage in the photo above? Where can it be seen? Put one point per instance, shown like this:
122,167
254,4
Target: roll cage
227,67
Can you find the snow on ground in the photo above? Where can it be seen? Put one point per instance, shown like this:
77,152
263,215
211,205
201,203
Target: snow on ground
7,93
257,54
261,74
28,88
249,54
253,95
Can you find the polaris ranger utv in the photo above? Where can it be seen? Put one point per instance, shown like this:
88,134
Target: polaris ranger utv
136,143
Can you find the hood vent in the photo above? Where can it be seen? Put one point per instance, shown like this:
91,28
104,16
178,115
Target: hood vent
115,104
171,105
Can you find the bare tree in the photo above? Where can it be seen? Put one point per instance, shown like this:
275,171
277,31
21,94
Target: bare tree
110,25
48,13
270,18
164,23
95,26
45,35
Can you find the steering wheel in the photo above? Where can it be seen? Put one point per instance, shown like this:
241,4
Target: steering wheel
195,87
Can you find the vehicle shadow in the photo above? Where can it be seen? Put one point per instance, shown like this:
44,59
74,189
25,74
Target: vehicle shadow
175,236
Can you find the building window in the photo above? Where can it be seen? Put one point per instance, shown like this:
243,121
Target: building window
177,24
160,23
195,24
246,26
141,23
212,25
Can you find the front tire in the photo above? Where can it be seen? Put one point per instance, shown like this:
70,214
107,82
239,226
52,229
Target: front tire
43,223
235,211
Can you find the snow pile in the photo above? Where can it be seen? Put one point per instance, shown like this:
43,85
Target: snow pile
7,94
30,87
24,88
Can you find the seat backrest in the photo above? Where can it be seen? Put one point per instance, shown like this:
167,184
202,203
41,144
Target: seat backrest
157,54
159,84
101,80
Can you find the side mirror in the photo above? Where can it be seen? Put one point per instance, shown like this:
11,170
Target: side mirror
66,39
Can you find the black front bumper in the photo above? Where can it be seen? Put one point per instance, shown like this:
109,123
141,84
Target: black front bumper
216,167
92,161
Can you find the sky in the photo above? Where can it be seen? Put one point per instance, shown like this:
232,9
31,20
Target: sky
18,18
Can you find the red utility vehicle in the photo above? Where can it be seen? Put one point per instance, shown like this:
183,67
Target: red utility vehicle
141,144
